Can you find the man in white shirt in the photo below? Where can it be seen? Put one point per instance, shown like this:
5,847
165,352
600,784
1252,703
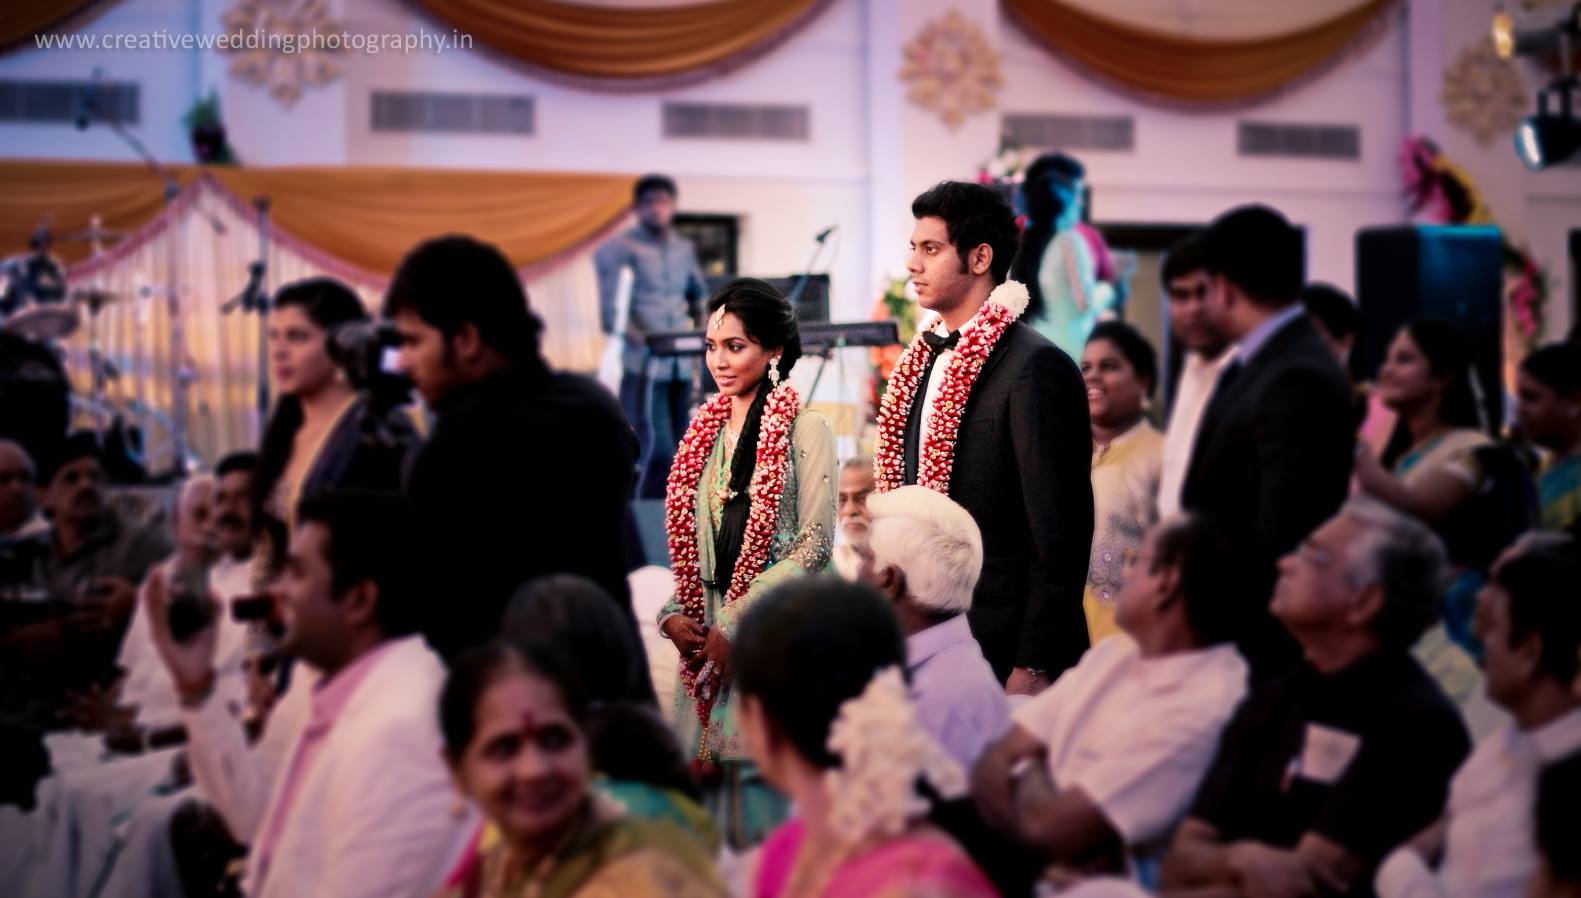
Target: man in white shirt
213,529
362,805
1207,351
1530,624
1098,770
924,554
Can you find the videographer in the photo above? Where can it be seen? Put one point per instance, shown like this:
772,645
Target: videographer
528,470
328,430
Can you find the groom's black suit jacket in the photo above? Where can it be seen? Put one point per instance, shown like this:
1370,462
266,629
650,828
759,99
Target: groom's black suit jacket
1023,468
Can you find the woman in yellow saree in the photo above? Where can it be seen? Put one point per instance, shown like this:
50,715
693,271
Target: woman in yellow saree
515,723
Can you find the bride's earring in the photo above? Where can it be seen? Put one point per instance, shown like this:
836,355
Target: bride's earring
774,372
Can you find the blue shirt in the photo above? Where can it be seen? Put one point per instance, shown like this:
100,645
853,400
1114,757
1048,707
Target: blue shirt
1262,333
959,701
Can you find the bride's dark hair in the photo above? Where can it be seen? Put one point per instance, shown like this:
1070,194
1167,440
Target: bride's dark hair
770,320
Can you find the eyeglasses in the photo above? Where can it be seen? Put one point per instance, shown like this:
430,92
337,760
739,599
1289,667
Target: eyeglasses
1314,556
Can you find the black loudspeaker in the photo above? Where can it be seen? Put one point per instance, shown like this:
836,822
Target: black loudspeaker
1414,271
1575,287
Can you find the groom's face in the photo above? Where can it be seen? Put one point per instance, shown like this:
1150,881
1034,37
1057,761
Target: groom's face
938,276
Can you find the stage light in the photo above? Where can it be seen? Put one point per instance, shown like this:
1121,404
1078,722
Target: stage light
1548,138
1503,34
1509,41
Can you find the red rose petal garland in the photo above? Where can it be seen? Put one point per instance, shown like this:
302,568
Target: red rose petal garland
936,460
680,513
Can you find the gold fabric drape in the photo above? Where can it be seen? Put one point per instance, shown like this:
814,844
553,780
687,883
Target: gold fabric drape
1185,70
365,218
21,19
602,46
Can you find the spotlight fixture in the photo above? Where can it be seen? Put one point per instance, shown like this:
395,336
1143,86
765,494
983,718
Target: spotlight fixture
1548,138
1509,41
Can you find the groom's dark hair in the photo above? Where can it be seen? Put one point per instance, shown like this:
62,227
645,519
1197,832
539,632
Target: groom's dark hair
973,215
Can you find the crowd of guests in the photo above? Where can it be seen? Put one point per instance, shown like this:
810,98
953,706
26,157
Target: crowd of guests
1283,635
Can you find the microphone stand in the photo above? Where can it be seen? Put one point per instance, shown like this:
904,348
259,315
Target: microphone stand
255,298
801,282
178,348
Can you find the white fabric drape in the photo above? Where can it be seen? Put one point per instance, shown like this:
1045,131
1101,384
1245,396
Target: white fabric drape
222,349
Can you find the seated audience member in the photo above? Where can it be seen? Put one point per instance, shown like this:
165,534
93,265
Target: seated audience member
1335,316
1548,412
924,554
1120,370
827,718
1558,831
95,561
213,531
1102,766
1323,771
1531,629
527,471
516,721
856,484
18,493
360,804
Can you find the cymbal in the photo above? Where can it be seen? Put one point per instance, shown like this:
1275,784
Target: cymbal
43,323
94,298
92,234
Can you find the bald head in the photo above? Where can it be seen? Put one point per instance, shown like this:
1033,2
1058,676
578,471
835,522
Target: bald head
194,511
18,496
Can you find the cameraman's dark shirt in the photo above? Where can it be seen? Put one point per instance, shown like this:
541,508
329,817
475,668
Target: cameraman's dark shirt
527,472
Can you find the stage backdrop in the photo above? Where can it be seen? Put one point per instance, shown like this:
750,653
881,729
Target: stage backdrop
350,223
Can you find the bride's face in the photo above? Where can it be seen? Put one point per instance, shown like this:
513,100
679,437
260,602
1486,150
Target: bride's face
737,360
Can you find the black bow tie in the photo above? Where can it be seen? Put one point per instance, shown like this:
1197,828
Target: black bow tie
938,344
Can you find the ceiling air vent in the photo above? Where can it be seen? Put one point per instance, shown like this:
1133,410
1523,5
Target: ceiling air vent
734,121
1071,132
408,111
1300,141
49,102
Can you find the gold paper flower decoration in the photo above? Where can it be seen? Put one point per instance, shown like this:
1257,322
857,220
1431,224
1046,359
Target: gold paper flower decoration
269,49
1483,94
951,69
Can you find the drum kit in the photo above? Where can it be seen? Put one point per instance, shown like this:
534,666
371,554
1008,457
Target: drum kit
40,311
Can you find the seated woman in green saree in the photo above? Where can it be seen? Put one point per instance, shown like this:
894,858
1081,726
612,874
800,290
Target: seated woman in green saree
515,723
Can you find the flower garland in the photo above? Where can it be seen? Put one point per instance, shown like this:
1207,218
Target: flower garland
680,514
937,457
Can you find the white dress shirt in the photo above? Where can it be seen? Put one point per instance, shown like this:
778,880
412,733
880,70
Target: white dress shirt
1489,842
1198,376
1136,734
148,687
936,376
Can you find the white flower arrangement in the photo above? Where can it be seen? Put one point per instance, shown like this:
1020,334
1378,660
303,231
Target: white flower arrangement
1013,296
883,750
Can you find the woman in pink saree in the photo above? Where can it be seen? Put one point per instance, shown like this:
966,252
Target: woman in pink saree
827,717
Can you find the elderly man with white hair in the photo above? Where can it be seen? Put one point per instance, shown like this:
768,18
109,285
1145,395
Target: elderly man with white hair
924,553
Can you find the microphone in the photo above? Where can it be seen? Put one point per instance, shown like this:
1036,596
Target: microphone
824,234
88,100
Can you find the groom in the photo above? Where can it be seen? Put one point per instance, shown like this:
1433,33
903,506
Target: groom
987,411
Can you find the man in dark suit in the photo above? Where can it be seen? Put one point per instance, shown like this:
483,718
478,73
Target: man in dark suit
528,471
1023,450
1273,454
